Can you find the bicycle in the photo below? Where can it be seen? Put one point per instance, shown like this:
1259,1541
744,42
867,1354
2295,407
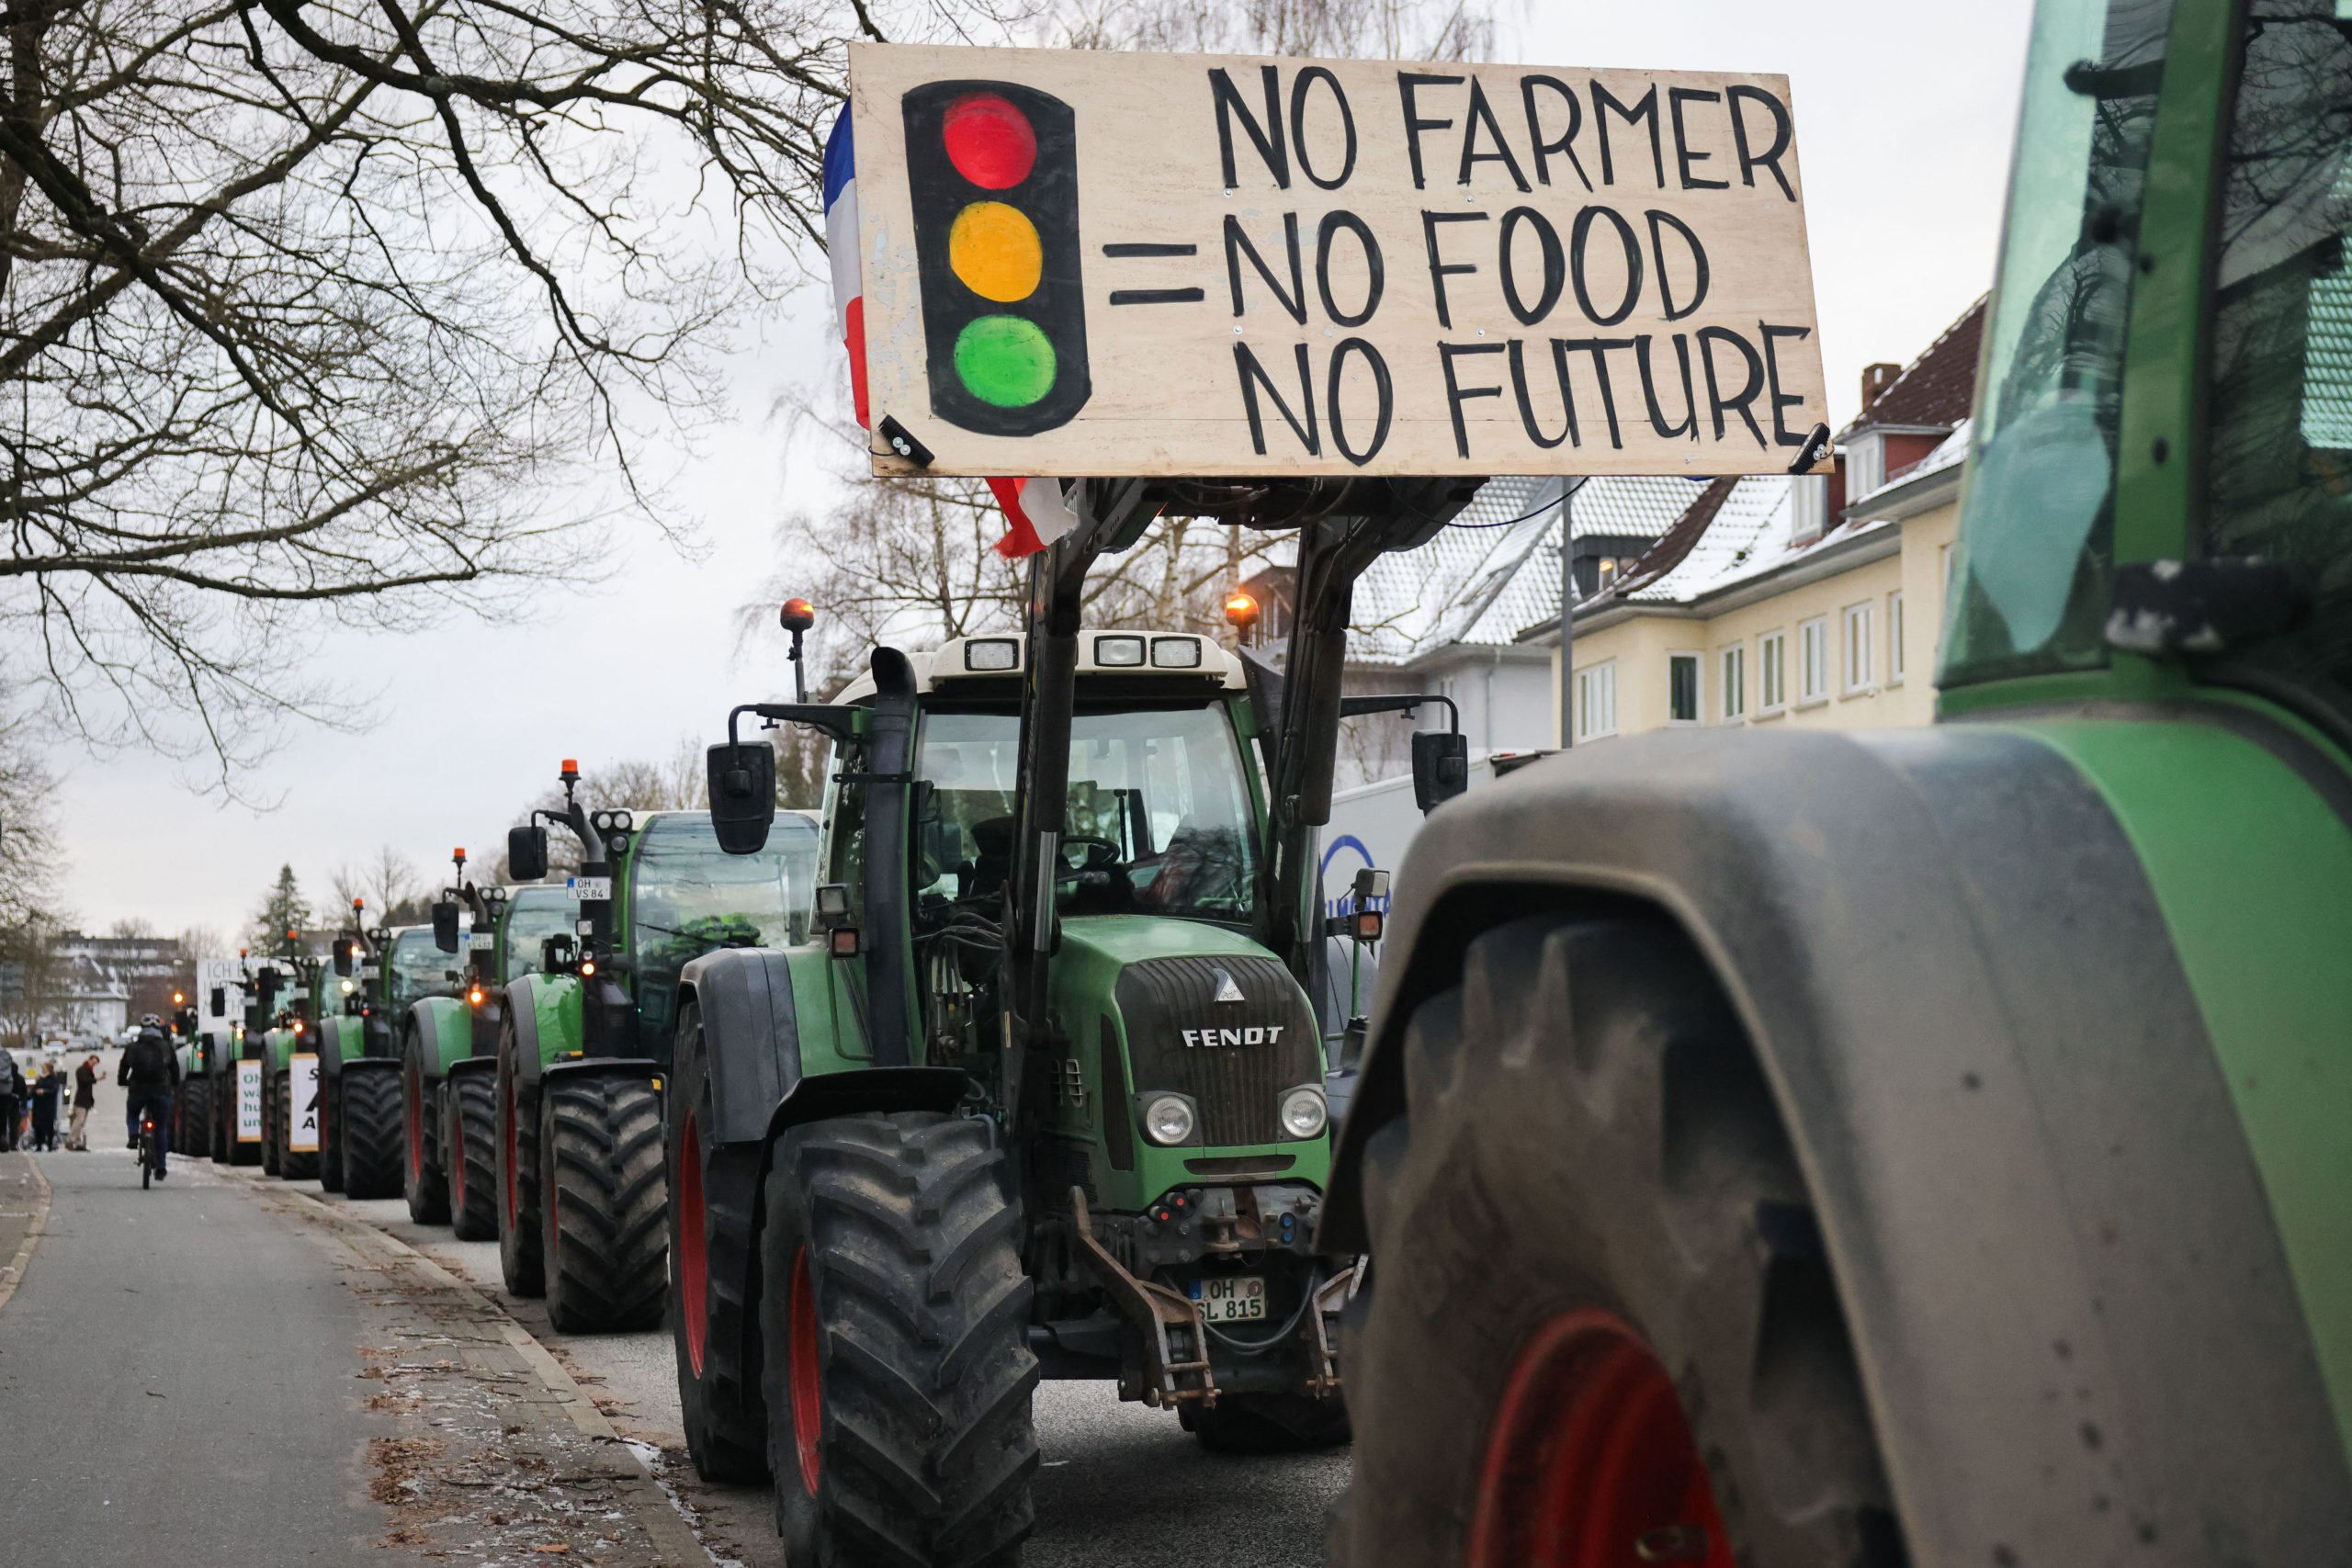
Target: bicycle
151,1150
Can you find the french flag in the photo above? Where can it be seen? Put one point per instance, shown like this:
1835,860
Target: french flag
841,243
1033,507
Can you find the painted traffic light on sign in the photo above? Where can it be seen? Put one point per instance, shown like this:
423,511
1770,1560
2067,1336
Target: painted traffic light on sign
992,169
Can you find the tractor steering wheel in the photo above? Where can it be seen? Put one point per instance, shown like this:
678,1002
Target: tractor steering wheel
1107,857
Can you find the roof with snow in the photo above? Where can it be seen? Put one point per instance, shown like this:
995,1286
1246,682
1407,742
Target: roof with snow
1496,569
1747,535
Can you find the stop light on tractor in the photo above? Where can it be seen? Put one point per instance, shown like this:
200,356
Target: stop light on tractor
992,167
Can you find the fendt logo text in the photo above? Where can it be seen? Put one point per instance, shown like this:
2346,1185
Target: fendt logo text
1253,1036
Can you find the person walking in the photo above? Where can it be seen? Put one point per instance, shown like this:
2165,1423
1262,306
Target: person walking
46,1089
12,1089
150,1071
85,1099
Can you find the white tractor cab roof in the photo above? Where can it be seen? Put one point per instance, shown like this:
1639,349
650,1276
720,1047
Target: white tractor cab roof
1186,660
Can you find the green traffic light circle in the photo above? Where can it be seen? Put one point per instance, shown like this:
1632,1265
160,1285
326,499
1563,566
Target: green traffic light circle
1005,360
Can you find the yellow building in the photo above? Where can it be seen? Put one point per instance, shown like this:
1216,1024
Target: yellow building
1771,602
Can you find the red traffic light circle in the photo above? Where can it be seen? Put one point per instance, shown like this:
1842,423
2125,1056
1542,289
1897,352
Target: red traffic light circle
991,142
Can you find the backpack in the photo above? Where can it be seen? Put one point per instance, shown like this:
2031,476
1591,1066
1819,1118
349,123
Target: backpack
147,1061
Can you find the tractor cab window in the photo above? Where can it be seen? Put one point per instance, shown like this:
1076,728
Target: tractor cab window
533,915
688,896
2279,471
2029,594
419,969
1159,819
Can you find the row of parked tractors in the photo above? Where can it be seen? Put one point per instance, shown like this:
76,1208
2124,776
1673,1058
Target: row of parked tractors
445,1063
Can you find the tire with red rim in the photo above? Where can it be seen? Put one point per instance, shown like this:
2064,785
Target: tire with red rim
368,1136
518,1135
714,1294
291,1166
269,1098
603,1202
423,1180
1599,1329
471,1136
896,1368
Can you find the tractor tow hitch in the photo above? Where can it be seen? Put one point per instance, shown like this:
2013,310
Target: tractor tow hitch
1176,1363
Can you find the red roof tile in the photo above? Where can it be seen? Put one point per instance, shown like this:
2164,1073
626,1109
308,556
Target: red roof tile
1935,388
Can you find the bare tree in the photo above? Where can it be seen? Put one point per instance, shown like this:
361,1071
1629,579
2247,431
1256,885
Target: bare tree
349,312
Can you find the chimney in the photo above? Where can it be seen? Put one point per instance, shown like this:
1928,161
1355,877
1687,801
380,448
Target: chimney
1877,378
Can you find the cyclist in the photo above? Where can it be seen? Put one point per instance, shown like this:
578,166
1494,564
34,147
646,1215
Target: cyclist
150,1072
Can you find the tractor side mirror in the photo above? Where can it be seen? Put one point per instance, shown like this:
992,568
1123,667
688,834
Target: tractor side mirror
266,985
342,949
1441,768
219,1002
445,925
526,852
742,794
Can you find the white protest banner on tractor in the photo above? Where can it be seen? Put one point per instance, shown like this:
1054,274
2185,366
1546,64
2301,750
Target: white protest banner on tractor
1081,262
249,1090
302,1073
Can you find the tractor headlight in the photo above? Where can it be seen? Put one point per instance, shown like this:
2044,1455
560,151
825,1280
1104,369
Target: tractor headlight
1168,1119
1304,1115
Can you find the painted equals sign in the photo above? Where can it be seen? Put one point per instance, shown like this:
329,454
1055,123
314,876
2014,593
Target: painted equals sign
1154,296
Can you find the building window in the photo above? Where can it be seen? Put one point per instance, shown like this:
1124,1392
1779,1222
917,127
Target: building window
1683,688
1895,639
1771,672
1734,682
1812,661
1596,702
1858,650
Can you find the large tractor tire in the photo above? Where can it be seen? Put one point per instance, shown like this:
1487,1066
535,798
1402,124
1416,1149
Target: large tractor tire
603,1204
195,1140
424,1181
369,1134
270,1091
519,1262
714,1276
217,1114
291,1166
1616,1271
330,1152
899,1376
471,1136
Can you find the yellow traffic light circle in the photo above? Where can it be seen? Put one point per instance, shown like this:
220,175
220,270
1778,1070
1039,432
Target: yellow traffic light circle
995,251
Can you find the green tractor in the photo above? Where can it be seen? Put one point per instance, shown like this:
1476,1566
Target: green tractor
448,1061
290,1080
191,1112
586,1042
1935,1147
359,1100
234,1079
450,1017
1045,1096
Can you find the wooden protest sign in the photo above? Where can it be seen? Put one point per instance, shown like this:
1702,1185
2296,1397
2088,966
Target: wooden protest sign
1079,262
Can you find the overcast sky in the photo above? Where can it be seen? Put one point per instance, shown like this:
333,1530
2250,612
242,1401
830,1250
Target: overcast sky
1904,118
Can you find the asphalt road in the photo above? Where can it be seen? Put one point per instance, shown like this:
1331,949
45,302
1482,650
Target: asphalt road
176,1371
120,1446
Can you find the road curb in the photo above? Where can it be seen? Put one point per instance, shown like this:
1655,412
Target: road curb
13,1273
672,1536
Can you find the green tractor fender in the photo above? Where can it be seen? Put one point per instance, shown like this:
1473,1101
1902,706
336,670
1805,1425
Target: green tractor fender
338,1042
443,1033
765,1077
545,1009
278,1048
2026,1167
